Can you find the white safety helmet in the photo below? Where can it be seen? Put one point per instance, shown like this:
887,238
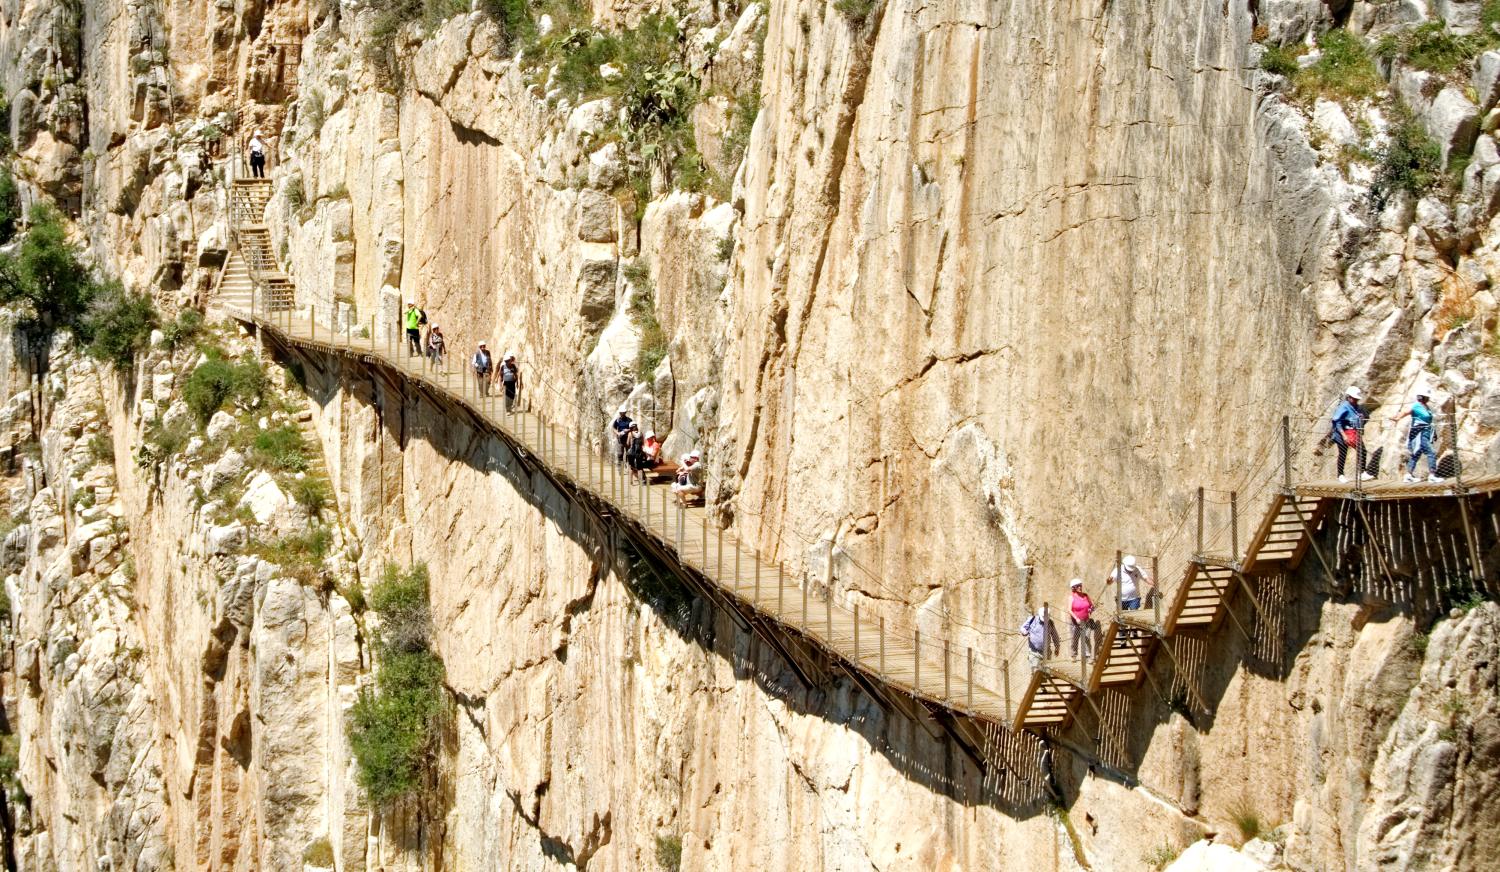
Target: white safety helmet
1129,561
1075,583
482,343
1355,392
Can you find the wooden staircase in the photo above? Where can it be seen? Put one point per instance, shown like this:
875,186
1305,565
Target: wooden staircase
1196,605
253,261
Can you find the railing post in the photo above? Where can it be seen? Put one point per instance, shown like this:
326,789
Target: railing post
947,673
1005,675
1286,453
804,603
1119,583
780,589
856,634
882,647
704,520
916,645
1156,590
720,561
1234,526
828,615
737,576
1199,552
679,528
1458,464
969,692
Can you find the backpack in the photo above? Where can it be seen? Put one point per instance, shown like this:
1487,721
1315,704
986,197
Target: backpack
507,373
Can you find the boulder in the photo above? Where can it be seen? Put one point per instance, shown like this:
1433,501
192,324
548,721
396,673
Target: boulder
219,425
228,468
264,497
1329,118
596,288
1205,856
596,216
1453,121
1486,79
1460,17
225,540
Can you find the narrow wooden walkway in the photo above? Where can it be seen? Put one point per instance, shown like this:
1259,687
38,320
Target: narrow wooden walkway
1001,690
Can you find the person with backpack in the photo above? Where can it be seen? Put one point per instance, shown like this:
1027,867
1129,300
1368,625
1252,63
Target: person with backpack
635,452
437,346
510,379
1347,431
482,365
1041,636
621,426
257,156
1080,620
414,320
1419,440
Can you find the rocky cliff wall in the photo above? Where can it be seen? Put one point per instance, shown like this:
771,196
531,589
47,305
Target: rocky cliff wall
981,277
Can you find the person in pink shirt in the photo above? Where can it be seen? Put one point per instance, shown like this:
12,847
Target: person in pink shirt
1081,619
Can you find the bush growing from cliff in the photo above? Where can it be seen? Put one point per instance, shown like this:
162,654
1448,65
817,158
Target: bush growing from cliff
45,280
394,726
281,448
1432,48
1409,161
1344,69
118,325
218,381
10,205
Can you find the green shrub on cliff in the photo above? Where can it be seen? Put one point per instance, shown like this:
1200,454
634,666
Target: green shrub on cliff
394,726
217,381
118,325
10,205
1409,161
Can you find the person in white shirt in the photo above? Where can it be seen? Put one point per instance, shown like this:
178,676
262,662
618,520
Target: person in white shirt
1132,579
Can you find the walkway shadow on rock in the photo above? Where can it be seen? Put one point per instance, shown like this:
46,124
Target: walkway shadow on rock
953,756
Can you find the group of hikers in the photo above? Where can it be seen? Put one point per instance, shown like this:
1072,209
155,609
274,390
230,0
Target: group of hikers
434,346
642,455
1347,431
1137,588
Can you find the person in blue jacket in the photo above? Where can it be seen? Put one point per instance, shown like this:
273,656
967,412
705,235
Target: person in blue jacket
1419,439
1348,431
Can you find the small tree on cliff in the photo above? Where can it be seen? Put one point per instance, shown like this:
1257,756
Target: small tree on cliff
394,726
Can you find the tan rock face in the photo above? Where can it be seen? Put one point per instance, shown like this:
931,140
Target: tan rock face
989,292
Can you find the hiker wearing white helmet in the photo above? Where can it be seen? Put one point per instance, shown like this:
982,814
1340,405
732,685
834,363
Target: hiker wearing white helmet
1132,578
510,379
1419,439
482,365
437,347
257,156
621,426
1041,636
1080,620
1348,431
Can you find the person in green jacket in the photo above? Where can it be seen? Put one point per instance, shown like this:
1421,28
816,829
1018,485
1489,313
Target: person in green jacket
413,320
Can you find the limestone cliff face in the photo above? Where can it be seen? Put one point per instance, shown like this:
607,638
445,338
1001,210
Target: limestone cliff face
993,287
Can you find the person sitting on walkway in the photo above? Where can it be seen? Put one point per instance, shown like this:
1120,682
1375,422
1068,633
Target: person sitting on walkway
437,346
482,365
257,156
510,379
413,319
1081,620
1419,440
1348,425
621,426
651,450
1131,578
689,483
1042,640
